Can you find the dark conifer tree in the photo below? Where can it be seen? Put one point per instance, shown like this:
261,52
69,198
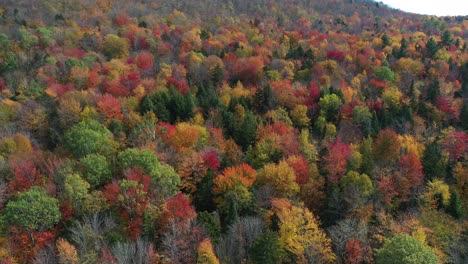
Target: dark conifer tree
434,165
431,48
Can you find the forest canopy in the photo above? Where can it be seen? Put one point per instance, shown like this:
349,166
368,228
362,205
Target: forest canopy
231,131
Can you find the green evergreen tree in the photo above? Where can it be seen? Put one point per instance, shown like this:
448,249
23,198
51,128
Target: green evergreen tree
431,48
464,116
403,47
367,163
363,117
207,97
116,127
218,74
446,38
455,204
157,103
385,40
267,249
245,134
169,105
210,224
376,125
414,97
9,61
464,77
230,212
227,122
203,197
433,91
180,105
309,59
434,166
264,100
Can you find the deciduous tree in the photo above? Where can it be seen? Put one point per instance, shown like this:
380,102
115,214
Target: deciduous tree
405,249
386,147
281,176
300,234
206,254
32,210
115,47
88,137
336,160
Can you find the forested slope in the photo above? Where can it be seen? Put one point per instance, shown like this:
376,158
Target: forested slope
237,131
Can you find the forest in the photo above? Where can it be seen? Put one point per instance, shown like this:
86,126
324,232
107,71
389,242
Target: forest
231,131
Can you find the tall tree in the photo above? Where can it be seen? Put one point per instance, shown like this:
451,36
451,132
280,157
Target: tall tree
267,249
300,234
386,147
446,39
281,176
405,249
33,210
431,48
385,40
434,165
88,137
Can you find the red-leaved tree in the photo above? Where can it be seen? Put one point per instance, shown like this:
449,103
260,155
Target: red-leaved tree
336,160
24,175
144,61
455,144
110,107
130,197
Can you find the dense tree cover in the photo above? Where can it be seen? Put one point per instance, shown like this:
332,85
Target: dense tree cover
231,131
405,249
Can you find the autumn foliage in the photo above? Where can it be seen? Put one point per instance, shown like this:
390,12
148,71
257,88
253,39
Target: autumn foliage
130,197
243,175
231,132
336,160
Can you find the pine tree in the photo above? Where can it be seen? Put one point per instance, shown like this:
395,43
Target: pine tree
367,163
207,97
231,211
157,103
385,40
447,38
309,58
267,249
203,197
434,166
414,98
403,46
433,91
376,125
246,133
464,116
218,74
431,48
457,43
264,100
181,105
455,206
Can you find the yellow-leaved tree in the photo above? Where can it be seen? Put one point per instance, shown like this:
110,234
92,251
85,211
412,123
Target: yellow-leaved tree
300,234
67,253
281,176
206,253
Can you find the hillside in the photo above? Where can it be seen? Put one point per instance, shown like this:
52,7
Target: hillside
231,131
